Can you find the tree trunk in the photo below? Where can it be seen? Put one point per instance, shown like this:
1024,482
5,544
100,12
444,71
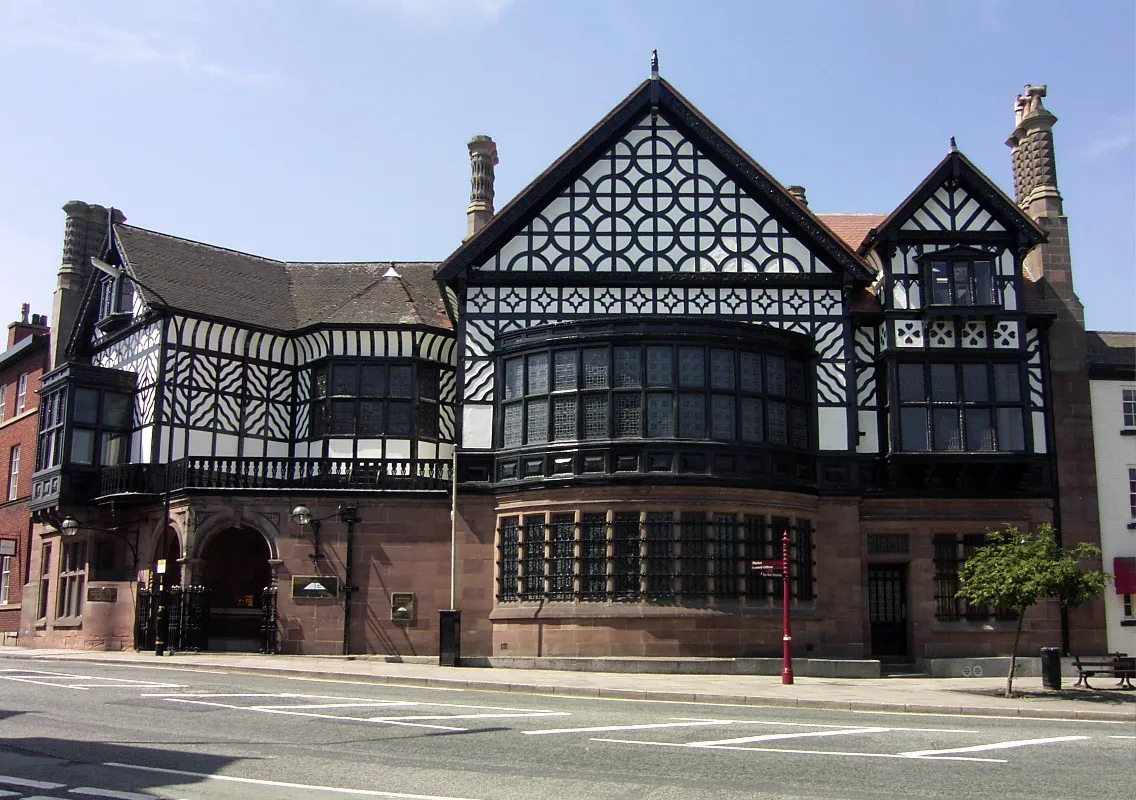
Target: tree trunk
1014,654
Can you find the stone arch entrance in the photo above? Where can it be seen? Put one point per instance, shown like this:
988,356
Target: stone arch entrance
235,572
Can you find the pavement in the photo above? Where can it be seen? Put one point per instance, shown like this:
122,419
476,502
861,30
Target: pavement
952,696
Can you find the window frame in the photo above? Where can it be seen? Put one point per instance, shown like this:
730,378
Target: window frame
21,393
950,552
1128,409
423,412
13,472
5,579
960,276
72,580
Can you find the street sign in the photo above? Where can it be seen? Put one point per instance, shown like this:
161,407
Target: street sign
315,586
768,566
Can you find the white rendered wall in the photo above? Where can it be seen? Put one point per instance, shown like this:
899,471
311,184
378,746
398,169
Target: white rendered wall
1114,455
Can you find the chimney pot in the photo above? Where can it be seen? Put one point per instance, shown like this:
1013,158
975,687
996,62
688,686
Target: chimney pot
482,159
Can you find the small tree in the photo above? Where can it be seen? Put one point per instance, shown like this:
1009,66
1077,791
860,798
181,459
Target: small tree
1016,569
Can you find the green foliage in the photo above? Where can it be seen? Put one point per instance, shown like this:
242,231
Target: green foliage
1016,569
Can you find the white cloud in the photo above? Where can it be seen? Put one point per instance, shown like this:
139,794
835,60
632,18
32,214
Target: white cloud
1119,133
47,25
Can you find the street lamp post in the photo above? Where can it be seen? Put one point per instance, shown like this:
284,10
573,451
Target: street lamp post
70,526
348,514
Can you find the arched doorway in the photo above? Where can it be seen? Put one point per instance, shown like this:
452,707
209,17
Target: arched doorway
235,574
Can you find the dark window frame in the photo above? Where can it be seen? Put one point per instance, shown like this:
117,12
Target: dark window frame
961,277
419,408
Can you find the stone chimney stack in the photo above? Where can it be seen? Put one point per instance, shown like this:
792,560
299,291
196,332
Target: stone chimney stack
83,237
23,327
798,193
482,159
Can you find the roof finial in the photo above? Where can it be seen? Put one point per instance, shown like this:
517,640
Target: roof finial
654,65
954,147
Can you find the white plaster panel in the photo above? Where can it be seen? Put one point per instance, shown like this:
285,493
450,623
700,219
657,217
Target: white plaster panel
340,448
869,441
280,449
200,443
397,448
477,426
832,428
226,446
370,448
427,450
1039,442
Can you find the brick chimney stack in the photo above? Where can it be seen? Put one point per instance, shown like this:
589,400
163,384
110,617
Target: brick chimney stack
83,237
23,327
482,159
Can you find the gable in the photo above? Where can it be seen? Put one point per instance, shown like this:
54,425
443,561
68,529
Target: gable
654,188
952,210
655,202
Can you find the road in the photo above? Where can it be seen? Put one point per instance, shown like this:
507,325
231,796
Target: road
70,730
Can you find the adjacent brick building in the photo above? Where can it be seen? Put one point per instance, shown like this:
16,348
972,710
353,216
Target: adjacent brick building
25,359
581,428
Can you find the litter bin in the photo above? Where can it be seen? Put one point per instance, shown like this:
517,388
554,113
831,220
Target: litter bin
449,638
1051,668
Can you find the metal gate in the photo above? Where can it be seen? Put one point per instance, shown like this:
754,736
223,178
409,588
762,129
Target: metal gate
887,610
182,613
268,621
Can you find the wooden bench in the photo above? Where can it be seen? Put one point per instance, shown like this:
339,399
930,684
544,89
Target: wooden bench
1115,665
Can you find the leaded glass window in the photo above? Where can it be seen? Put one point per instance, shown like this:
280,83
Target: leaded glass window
725,555
593,557
564,418
721,369
536,429
513,425
659,553
775,366
723,418
691,416
373,398
660,367
538,373
751,373
507,550
778,422
561,556
595,416
628,414
628,368
692,554
691,369
514,378
625,555
532,583
660,416
565,369
595,368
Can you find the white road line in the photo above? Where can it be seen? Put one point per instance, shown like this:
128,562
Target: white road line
1122,737
8,780
995,746
799,752
772,737
475,716
5,793
282,784
689,724
360,704
819,725
309,714
91,791
42,683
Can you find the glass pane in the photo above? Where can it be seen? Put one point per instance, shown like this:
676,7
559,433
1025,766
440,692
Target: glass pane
114,449
564,369
660,415
692,416
373,380
536,429
963,296
691,368
82,446
796,380
911,388
752,422
371,418
751,373
1007,386
628,414
512,425
342,418
595,416
399,419
116,409
319,382
401,381
564,418
595,368
984,283
798,428
947,429
778,423
344,379
1011,434
722,369
940,284
86,406
628,368
660,367
775,374
319,420
722,418
913,429
979,431
427,382
538,373
514,375
975,385
944,387
426,421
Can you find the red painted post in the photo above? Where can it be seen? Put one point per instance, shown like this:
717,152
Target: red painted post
786,632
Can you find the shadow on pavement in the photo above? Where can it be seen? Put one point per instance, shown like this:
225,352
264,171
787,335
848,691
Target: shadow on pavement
1104,696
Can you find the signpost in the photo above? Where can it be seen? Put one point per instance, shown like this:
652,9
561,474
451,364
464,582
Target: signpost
772,568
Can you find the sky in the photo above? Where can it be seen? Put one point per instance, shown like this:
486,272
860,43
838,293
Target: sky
337,130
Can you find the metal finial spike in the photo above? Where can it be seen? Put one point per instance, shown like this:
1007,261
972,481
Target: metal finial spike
954,147
654,64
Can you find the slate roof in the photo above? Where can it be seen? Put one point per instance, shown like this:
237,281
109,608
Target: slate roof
281,295
1111,354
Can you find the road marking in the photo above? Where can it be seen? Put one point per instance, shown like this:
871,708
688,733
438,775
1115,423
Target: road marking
282,784
8,780
361,704
476,716
1122,737
38,677
6,793
820,725
91,791
771,737
601,729
309,714
798,752
995,746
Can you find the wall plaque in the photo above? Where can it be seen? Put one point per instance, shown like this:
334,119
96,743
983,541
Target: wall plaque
315,586
102,594
7,547
402,606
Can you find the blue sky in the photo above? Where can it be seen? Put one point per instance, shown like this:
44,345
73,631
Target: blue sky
336,131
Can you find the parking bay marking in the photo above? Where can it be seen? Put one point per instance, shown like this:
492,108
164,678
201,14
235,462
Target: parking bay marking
45,678
994,746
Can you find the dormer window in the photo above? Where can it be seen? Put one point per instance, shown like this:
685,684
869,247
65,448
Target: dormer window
116,301
961,278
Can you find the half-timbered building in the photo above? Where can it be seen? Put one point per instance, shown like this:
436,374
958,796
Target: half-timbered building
583,427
